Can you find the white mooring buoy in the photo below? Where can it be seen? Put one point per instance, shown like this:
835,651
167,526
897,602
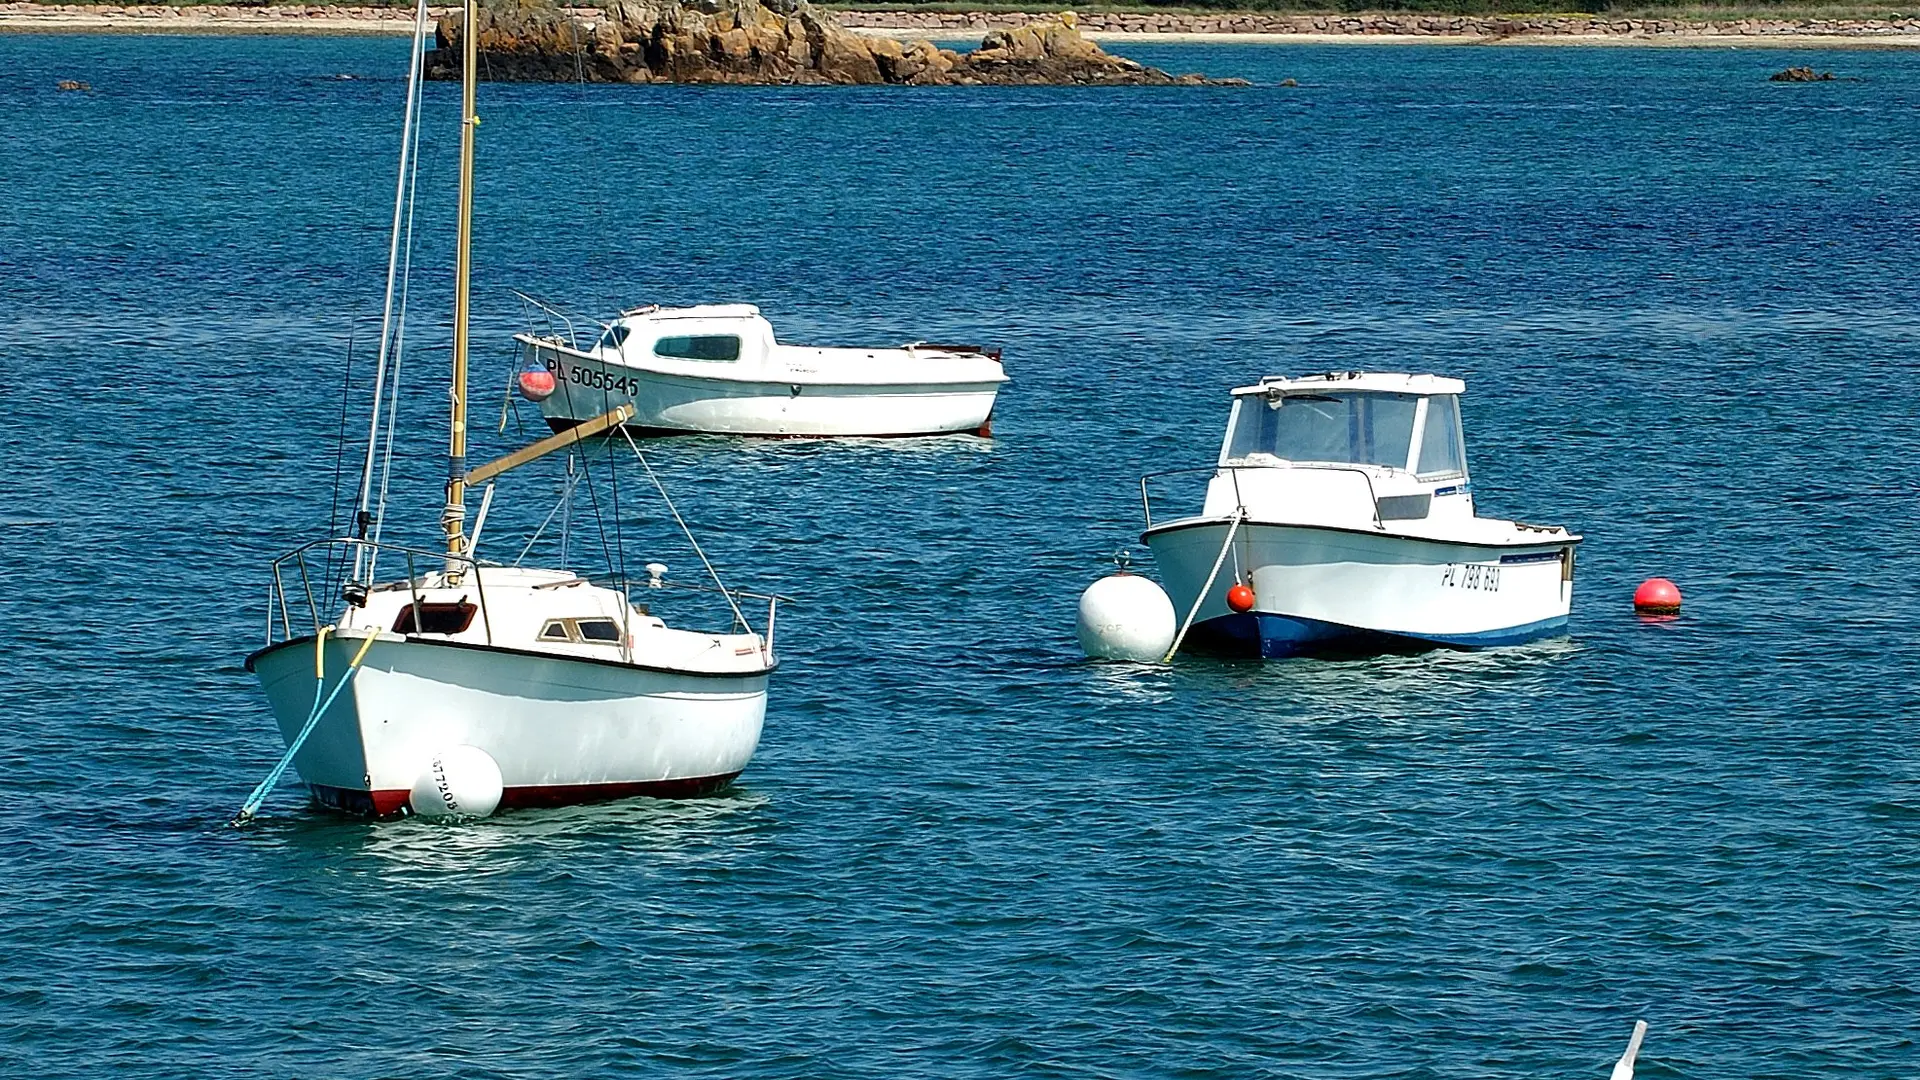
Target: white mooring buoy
459,782
1126,617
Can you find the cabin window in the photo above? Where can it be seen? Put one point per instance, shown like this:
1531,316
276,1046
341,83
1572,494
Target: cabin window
1345,429
588,630
615,336
717,347
1403,507
1440,439
599,630
435,618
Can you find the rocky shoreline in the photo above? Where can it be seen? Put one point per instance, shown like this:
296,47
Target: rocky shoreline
328,18
1397,24
766,42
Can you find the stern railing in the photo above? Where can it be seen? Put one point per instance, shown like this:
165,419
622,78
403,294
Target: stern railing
348,546
535,311
774,600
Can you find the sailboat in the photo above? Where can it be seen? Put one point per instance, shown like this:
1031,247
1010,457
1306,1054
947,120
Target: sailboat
572,690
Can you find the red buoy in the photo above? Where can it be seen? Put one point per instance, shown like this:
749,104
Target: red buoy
1657,596
536,384
1240,598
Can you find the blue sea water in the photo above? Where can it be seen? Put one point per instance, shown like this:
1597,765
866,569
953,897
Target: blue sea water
1683,299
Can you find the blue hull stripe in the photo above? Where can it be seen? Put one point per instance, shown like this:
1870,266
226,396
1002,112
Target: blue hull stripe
1532,557
1270,636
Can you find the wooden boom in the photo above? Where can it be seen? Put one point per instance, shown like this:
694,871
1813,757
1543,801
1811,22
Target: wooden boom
586,429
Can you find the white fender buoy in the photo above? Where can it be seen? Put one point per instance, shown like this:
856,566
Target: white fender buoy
459,782
1623,1069
1126,617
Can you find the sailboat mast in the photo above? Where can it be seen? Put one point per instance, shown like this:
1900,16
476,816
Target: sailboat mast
454,517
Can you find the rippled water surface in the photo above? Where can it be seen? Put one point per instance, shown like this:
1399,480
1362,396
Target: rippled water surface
1683,300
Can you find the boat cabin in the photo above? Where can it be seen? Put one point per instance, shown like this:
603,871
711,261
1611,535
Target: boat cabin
544,611
705,333
1356,449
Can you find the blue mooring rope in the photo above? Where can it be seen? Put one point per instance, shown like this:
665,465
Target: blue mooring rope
252,805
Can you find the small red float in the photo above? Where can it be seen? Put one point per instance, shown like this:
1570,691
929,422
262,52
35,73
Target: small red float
1240,598
536,384
1657,596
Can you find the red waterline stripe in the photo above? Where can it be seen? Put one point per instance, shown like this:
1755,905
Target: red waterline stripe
984,431
393,801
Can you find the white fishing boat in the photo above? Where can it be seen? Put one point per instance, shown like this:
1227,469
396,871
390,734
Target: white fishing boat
717,369
1340,517
571,689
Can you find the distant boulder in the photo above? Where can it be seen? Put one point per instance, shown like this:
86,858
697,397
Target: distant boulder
1800,74
72,84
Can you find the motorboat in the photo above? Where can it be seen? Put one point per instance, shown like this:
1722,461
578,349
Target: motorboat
564,688
1340,517
718,369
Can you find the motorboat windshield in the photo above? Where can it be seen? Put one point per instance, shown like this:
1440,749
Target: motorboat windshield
615,337
1345,429
1412,433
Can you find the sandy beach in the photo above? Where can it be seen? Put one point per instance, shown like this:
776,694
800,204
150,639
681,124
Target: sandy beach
1226,28
1680,40
162,19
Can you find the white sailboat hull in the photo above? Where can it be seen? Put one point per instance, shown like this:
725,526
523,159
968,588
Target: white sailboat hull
757,402
1322,589
562,729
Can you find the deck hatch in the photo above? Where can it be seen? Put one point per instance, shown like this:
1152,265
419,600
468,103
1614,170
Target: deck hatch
435,618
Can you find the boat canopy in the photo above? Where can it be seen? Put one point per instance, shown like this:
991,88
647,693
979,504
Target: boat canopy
1404,422
697,311
1363,381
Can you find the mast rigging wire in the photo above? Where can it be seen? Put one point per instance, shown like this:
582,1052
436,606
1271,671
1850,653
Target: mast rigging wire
339,463
400,195
406,282
682,522
566,495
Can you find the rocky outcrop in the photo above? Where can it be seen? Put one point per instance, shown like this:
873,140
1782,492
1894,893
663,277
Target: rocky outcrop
764,42
1800,74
